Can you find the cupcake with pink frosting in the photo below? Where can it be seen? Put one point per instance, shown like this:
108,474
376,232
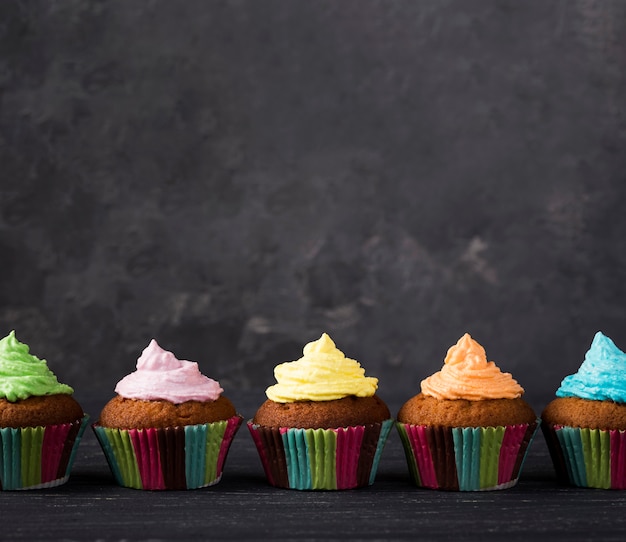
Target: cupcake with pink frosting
168,427
469,429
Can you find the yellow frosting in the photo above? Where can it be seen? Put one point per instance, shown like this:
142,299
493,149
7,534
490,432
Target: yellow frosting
467,374
323,373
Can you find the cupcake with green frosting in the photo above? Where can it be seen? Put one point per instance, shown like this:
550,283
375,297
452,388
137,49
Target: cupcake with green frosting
40,422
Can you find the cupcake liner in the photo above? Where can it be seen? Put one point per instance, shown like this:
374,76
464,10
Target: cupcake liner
38,457
342,458
185,457
586,457
465,458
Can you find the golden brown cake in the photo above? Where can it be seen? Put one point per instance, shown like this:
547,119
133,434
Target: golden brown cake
40,411
577,412
122,413
342,412
425,410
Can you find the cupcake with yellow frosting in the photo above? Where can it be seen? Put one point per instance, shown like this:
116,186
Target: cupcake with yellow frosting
469,428
322,425
41,423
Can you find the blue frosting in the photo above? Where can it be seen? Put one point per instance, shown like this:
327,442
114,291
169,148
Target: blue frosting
601,377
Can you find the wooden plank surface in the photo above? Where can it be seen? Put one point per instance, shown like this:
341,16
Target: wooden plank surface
243,506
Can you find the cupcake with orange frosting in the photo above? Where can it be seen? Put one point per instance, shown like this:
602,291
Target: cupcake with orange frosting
322,425
168,427
469,428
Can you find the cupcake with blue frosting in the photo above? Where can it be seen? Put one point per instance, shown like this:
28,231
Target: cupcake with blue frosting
585,425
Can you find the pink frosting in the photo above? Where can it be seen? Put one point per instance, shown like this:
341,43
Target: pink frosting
161,376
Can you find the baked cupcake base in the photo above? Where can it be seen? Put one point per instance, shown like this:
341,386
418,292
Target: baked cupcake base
184,457
583,457
466,458
38,457
320,459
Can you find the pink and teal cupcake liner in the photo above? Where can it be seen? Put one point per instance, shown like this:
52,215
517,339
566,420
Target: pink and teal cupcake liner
309,459
38,457
588,457
466,458
185,457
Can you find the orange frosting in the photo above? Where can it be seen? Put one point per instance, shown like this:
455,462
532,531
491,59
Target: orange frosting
467,374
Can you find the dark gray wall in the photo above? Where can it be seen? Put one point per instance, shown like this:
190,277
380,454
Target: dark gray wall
235,177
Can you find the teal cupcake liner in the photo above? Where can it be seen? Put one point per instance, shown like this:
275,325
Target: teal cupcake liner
321,459
466,458
185,457
583,457
38,457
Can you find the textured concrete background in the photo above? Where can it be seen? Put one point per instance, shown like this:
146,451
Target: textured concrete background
235,177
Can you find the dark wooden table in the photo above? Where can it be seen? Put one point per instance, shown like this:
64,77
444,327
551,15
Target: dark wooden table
243,506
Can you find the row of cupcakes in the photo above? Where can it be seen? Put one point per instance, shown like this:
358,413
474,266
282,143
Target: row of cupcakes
322,425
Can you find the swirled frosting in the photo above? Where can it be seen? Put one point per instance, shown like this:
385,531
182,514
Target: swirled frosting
161,376
323,373
23,375
467,374
602,375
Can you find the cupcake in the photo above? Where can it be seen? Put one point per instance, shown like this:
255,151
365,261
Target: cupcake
322,426
585,426
468,429
41,424
168,427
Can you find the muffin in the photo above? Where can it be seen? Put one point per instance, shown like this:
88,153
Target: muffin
41,424
469,428
168,427
322,425
585,425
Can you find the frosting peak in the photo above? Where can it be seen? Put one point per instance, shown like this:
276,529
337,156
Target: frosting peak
467,374
23,375
602,375
323,373
162,376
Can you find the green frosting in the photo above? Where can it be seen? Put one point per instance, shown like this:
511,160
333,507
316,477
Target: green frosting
23,375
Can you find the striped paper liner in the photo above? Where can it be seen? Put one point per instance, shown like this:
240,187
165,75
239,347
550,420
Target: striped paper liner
465,458
584,457
38,457
327,459
185,457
